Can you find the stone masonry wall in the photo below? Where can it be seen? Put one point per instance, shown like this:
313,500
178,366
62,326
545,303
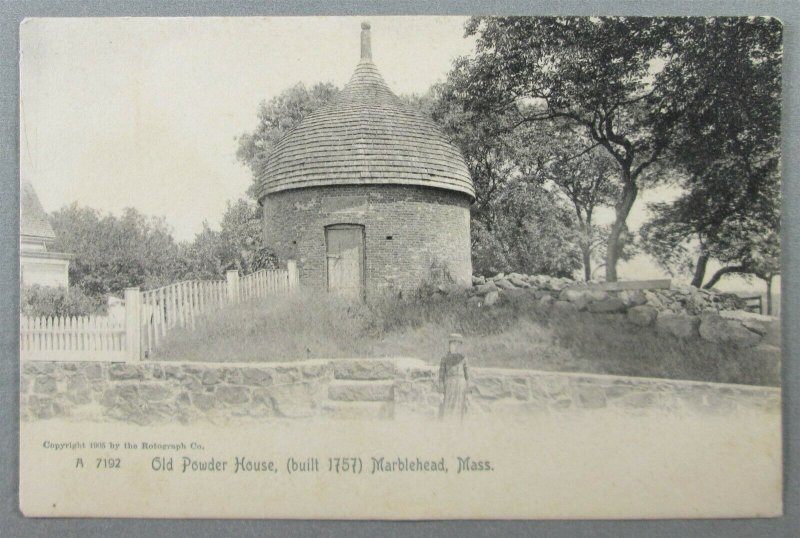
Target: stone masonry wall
152,392
509,392
680,311
428,227
159,392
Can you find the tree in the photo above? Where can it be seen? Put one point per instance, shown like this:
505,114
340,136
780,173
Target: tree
726,81
517,224
236,245
112,253
240,235
526,229
489,147
750,244
276,118
593,73
203,257
584,174
669,236
745,241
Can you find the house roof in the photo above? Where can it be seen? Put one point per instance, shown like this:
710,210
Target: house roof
365,135
33,219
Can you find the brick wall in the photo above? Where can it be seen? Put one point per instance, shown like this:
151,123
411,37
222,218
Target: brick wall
426,226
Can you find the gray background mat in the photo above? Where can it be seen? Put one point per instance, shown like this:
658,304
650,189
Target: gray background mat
13,524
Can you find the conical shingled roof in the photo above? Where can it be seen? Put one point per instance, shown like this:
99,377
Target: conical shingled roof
366,135
32,217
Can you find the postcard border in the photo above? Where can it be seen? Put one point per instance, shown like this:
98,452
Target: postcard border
15,524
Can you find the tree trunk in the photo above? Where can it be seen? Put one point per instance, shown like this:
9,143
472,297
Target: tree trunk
722,272
769,295
586,244
586,250
621,211
700,270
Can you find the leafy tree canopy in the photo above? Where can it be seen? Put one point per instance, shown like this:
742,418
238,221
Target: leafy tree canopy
726,82
112,253
593,73
530,230
277,117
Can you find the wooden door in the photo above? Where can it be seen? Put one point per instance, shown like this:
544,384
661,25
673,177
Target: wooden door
345,260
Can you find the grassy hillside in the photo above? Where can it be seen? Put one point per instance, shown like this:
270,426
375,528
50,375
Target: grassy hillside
513,334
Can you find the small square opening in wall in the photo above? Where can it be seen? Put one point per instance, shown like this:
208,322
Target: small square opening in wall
294,242
388,237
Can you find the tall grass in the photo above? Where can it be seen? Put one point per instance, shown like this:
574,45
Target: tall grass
516,333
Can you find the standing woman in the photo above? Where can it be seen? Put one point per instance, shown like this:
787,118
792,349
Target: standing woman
454,380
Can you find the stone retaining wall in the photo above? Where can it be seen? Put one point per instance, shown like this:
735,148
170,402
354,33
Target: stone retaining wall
153,392
520,392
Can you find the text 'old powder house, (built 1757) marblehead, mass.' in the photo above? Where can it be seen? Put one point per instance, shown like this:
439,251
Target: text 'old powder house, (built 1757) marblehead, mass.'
367,194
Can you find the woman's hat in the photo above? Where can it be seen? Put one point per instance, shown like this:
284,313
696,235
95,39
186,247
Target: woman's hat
455,337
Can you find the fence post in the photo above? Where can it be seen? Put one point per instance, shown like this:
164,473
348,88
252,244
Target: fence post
294,277
232,276
133,323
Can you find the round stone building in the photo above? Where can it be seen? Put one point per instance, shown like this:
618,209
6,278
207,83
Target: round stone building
368,194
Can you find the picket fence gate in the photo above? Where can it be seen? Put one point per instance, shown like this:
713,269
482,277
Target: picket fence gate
149,316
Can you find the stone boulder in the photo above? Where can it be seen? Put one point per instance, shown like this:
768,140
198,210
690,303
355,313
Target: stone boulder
483,289
632,298
546,302
120,371
578,297
607,305
537,281
570,294
755,326
518,281
490,387
642,315
697,301
678,325
559,284
363,369
714,328
597,295
491,298
477,280
653,299
504,284
769,327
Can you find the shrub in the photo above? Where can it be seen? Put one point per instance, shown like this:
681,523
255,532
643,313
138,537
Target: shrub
46,301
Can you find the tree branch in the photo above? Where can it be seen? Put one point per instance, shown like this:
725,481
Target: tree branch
722,272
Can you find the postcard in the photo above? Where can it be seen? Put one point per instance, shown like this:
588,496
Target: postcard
400,267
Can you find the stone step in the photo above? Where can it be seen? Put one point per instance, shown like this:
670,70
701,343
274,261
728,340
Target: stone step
362,369
357,410
350,390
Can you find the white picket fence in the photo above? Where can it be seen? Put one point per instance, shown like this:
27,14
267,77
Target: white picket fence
149,316
177,305
73,338
180,304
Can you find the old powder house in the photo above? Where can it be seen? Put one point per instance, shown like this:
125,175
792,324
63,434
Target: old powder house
367,194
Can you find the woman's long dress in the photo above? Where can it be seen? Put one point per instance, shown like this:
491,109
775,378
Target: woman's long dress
455,380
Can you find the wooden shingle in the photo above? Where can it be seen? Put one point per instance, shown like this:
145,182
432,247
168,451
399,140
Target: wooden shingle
365,136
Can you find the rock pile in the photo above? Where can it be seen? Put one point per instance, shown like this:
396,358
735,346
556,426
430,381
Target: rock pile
682,311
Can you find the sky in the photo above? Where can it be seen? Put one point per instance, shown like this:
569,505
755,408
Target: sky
144,112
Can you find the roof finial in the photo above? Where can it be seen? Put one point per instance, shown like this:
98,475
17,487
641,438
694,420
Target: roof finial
366,47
